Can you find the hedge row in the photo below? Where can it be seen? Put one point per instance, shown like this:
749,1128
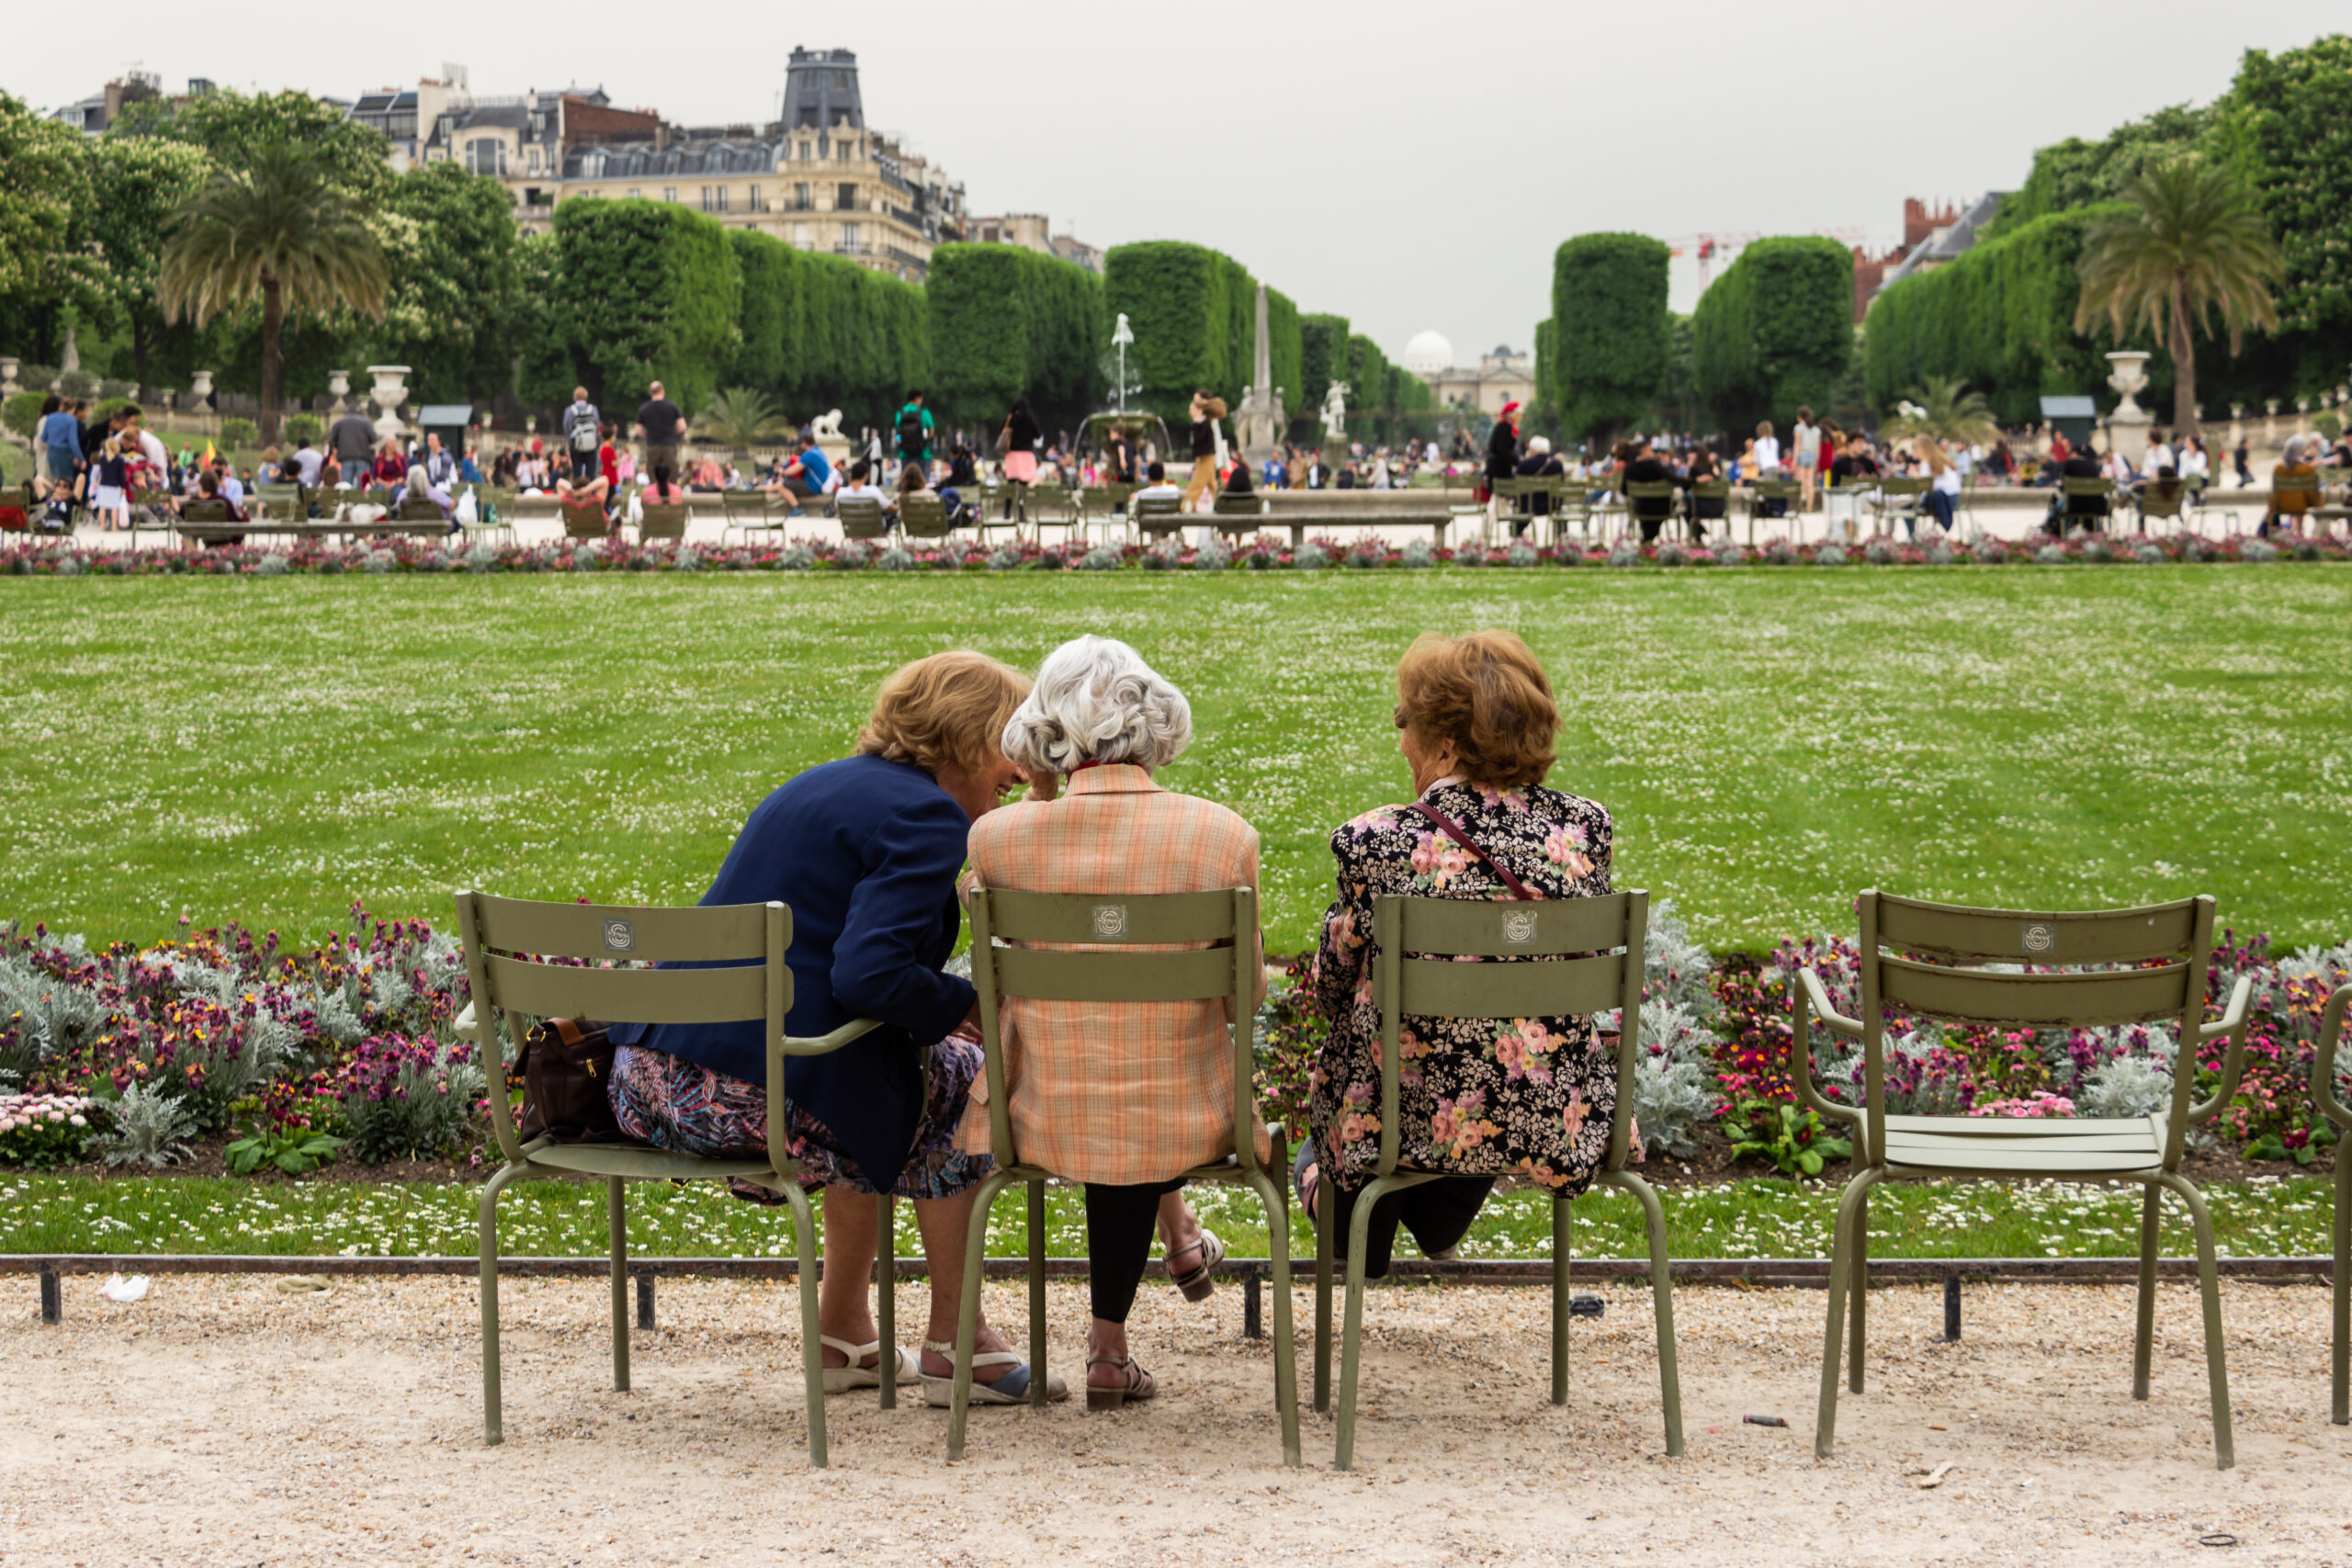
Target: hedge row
1194,314
1608,330
1005,323
1775,331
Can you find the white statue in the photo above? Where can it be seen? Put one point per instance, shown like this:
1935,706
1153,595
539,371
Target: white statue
827,426
1335,412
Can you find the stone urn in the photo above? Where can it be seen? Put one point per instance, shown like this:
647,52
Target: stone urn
9,375
199,384
391,392
339,388
2127,427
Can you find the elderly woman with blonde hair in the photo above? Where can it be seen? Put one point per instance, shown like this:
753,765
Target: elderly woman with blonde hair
1479,1098
1125,1097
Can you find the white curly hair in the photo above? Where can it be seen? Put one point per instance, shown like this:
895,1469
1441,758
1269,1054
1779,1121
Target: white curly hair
1097,701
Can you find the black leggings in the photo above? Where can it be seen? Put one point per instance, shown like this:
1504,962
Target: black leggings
1119,1225
1438,1213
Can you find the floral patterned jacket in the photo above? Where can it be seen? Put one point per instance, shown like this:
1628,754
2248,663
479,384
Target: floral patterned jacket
1525,1097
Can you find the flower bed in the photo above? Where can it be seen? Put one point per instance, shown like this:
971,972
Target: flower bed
344,1049
1265,553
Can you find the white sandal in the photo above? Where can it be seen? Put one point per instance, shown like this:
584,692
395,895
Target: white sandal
939,1391
840,1380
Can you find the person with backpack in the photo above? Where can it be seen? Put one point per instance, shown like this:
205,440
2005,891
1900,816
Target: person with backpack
914,430
583,427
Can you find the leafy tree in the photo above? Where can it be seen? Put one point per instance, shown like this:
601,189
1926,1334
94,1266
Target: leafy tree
1193,309
44,183
2075,173
137,189
544,371
1609,325
235,129
272,231
1774,330
739,417
1946,410
450,242
2191,244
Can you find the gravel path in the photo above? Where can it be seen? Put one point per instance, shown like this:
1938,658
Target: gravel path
223,1421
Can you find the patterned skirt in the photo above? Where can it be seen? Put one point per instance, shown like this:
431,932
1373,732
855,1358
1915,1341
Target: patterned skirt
685,1107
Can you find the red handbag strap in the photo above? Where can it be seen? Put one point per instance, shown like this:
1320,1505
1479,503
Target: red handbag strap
1446,825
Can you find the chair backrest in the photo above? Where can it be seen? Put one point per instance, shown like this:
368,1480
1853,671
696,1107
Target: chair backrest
1774,490
1895,485
287,501
1588,955
2170,943
204,512
1650,490
1249,503
2154,503
584,520
862,517
922,515
744,505
512,947
661,520
1102,964
1113,496
417,509
1159,514
2101,485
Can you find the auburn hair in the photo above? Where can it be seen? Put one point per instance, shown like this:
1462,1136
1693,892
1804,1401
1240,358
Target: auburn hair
950,707
1484,696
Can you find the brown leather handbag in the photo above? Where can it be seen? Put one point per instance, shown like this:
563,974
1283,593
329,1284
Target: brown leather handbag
566,1067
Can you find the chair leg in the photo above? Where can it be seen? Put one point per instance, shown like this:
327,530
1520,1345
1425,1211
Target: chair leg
1323,1253
1825,1434
616,1201
813,1351
967,1318
886,1300
1037,1294
2342,1282
1669,1373
1352,1333
1563,1236
1285,1349
2143,1336
2209,1282
493,1406
1858,1303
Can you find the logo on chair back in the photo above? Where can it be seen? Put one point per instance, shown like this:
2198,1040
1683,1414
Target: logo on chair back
620,936
1110,919
1518,926
2038,937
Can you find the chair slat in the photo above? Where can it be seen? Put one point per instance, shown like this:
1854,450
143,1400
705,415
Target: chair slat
1437,987
1049,976
2097,936
548,929
1534,926
2015,1127
640,996
1906,1146
1111,918
1974,996
2028,1159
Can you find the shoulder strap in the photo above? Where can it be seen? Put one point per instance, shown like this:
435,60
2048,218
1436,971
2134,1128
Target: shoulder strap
1446,826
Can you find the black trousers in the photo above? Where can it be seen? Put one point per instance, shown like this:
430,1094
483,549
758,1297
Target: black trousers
1119,1225
1439,1214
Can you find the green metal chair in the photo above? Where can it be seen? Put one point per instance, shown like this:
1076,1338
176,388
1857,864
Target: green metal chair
1897,498
509,944
1105,503
862,517
1221,961
2079,492
747,513
2151,501
1156,516
1763,492
1715,495
1238,515
1653,490
1055,506
1592,950
922,515
2332,1106
2170,944
281,504
661,520
584,520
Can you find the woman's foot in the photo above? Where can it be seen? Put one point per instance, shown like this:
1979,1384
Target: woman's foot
1113,1382
942,1364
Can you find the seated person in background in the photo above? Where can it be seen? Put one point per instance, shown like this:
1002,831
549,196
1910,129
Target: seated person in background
209,487
861,487
1704,509
599,490
392,469
419,486
2080,510
269,468
1156,487
1105,720
2294,485
963,475
308,462
912,480
1650,511
865,851
805,476
662,490
708,475
1540,463
1479,1098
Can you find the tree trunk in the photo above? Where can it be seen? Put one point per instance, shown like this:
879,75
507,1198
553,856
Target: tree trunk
273,368
2184,364
138,349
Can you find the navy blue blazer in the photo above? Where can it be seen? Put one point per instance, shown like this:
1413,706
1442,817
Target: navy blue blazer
865,852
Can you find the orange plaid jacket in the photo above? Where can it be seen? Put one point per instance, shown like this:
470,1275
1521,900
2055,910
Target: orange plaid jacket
1130,1093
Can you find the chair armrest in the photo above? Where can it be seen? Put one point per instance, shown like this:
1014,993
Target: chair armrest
1811,1001
467,1027
826,1044
2331,1030
2232,1023
1851,1028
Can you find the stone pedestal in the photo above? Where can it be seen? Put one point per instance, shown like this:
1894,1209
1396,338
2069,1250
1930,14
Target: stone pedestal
2127,427
835,448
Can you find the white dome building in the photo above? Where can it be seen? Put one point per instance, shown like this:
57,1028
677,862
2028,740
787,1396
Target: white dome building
1430,354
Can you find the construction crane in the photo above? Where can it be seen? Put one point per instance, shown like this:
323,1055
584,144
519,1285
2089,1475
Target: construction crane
1709,248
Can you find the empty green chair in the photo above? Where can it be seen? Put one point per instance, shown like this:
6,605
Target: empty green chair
523,962
2331,1105
1897,498
1591,959
1111,972
2166,946
747,513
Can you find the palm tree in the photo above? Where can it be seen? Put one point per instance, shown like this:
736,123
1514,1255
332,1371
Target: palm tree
739,418
278,230
1946,410
2195,244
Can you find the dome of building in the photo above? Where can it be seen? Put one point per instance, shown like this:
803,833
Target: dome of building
1429,353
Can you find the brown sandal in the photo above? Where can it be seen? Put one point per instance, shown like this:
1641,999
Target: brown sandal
1196,1281
1139,1387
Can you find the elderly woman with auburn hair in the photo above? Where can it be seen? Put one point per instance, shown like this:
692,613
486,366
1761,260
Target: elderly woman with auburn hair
865,851
1479,1098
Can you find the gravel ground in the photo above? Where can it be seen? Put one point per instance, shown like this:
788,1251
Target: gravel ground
225,1421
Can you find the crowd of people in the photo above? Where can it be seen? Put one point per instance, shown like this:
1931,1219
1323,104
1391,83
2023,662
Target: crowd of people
1051,787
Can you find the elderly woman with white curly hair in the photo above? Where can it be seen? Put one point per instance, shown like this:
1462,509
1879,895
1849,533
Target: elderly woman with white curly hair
1124,1098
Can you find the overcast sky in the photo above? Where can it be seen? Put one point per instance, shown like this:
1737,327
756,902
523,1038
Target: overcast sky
1405,165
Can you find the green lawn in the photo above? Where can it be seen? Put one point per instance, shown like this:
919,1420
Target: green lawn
1770,741
2279,1216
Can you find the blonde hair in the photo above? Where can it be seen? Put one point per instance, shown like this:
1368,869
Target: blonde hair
950,707
1485,695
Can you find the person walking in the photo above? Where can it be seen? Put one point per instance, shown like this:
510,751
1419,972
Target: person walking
582,426
1808,437
913,427
1016,443
61,441
661,421
1206,412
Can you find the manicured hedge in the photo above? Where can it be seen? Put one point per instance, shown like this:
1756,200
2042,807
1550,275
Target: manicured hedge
1775,331
1287,348
1610,328
650,292
1192,310
823,333
1323,359
1006,321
